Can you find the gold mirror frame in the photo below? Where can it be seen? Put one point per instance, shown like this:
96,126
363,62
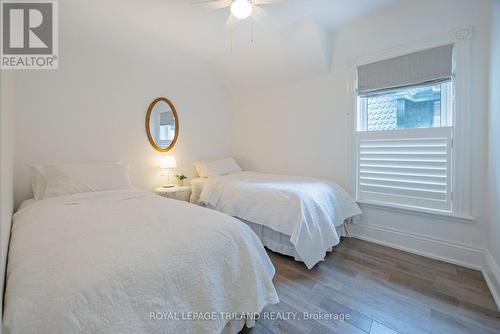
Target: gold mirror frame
148,129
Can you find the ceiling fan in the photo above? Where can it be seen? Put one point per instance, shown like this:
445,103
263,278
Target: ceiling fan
240,9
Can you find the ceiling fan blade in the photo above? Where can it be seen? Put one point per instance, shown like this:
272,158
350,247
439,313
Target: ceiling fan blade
267,2
213,4
259,14
231,22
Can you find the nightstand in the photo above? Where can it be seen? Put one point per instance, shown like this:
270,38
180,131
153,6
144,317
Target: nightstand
175,192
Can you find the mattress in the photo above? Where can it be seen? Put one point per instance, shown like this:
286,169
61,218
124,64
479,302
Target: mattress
305,210
280,243
106,261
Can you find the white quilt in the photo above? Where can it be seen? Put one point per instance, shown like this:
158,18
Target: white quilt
103,262
306,209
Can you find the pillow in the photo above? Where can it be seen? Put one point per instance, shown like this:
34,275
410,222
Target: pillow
38,184
197,186
200,168
51,180
217,167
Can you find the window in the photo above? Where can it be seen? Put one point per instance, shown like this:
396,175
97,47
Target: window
404,137
166,130
427,106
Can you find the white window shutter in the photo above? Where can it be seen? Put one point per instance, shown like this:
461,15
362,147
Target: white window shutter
408,168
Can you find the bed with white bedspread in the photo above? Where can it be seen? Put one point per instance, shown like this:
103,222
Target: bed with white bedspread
105,261
305,211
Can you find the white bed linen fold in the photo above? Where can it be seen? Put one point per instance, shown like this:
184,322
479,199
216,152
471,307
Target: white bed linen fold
306,209
101,262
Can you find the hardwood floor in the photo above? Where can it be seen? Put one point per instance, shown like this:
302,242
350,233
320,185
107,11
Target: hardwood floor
383,290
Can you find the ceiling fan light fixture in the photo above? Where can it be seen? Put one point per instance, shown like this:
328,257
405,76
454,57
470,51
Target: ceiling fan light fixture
241,9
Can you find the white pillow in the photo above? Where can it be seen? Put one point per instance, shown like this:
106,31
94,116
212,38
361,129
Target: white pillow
197,186
38,184
51,180
200,168
217,167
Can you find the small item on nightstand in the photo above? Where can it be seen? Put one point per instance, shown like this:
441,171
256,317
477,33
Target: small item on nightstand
180,179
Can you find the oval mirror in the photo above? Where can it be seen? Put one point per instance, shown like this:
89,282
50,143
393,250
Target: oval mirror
162,124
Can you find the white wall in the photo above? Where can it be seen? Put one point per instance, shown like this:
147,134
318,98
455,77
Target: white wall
493,256
305,128
6,162
94,107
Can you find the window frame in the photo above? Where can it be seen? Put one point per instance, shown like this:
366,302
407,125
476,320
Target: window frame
461,38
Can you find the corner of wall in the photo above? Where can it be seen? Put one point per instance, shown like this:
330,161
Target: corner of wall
491,273
6,170
491,262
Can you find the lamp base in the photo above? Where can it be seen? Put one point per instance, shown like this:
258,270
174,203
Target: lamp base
168,186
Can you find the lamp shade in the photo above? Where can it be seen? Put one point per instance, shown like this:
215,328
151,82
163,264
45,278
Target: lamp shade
167,161
241,9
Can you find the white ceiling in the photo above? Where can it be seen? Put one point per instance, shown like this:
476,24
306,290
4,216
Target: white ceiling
291,42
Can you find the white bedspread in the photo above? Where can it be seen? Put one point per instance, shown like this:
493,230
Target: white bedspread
306,209
102,262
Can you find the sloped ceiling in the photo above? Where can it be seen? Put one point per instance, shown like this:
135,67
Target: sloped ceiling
293,41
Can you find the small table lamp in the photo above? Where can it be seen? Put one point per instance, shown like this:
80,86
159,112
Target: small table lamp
167,162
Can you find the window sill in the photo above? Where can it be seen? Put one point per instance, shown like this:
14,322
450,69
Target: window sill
420,212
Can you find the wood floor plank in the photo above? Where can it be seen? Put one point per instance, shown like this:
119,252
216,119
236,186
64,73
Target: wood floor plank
356,318
378,328
384,291
347,326
451,324
320,329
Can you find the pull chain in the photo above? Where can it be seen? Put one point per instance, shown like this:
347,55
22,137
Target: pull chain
231,43
251,32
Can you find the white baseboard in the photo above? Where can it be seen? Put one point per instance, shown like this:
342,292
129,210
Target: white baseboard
491,273
443,250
